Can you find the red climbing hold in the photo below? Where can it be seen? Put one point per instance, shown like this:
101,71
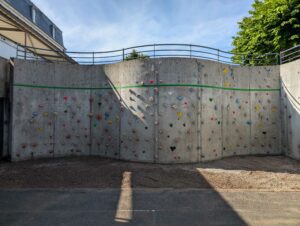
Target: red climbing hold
99,117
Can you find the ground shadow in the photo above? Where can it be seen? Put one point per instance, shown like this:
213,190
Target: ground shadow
129,193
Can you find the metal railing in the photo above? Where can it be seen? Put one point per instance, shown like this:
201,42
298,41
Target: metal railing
290,54
149,51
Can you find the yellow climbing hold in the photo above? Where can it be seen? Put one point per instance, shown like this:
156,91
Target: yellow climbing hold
45,114
274,109
225,70
179,115
227,84
257,108
110,122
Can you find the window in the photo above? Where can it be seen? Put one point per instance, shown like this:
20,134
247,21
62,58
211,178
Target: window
33,14
53,30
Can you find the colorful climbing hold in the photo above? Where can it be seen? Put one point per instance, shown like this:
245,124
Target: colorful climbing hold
179,115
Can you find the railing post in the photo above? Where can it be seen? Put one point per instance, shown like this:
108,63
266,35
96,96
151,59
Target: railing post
190,51
154,50
93,58
280,57
243,59
218,55
17,51
123,54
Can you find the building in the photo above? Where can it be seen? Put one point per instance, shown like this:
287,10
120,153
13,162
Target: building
26,32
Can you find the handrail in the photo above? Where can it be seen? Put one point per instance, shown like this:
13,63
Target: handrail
290,54
148,51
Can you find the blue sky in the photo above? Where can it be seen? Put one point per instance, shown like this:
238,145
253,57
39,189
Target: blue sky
98,25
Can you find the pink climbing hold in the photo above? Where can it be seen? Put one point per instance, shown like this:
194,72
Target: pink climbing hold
65,98
151,81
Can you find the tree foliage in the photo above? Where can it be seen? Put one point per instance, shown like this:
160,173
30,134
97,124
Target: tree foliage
272,26
135,55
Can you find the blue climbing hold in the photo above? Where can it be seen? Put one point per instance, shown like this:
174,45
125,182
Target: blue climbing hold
180,98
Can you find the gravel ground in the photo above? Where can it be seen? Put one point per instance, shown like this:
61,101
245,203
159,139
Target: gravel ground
275,173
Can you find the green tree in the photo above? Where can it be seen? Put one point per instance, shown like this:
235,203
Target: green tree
272,26
135,55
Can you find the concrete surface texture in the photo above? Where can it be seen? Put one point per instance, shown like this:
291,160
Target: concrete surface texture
170,110
290,107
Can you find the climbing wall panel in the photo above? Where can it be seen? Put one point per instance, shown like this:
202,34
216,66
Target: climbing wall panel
290,80
72,110
236,110
211,111
105,102
265,111
33,119
156,110
177,111
138,111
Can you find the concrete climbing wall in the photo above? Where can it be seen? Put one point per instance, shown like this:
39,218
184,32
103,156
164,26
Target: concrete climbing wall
138,111
211,110
290,108
33,117
168,110
236,122
177,110
265,111
72,110
105,111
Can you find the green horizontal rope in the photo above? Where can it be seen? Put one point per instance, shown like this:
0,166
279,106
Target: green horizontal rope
150,86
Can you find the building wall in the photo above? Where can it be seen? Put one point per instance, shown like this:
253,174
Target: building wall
168,110
42,21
